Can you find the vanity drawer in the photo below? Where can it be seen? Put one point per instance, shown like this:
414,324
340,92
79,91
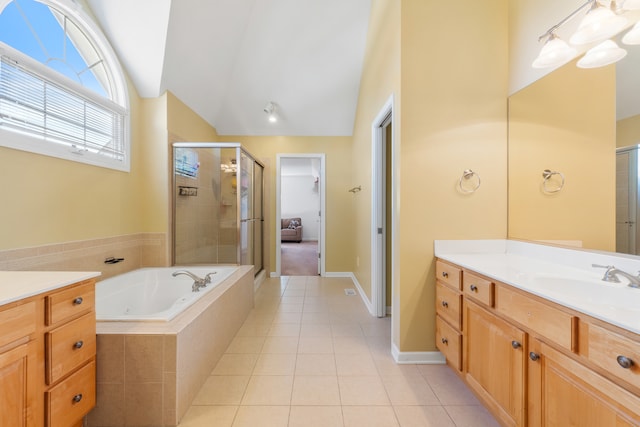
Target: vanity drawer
604,348
448,274
449,304
449,342
478,288
73,398
69,302
544,320
17,322
70,346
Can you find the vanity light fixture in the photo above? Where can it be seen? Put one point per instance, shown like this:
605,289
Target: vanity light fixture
600,23
270,110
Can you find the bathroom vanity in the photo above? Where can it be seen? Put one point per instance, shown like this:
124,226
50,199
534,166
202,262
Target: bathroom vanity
47,348
537,335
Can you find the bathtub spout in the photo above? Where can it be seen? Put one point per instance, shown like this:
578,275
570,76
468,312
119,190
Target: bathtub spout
207,278
197,281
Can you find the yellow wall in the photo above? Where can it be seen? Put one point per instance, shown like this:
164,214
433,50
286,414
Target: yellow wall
454,90
556,124
339,220
185,124
628,131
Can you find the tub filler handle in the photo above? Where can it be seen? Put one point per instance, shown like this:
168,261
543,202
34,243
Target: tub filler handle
207,278
198,282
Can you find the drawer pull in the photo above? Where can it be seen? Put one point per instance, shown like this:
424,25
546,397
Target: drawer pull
78,344
77,398
445,274
534,356
625,362
445,304
77,301
445,341
473,288
515,344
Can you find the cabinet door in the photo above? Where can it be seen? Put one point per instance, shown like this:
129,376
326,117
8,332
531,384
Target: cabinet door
15,402
563,393
494,360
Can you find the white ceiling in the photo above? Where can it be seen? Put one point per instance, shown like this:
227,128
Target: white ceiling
226,59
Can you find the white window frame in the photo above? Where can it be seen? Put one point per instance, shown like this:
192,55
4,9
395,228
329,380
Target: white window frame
120,99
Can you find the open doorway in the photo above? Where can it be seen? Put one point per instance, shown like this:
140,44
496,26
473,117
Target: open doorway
300,215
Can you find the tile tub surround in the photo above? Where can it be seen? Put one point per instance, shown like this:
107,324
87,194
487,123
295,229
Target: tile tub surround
138,250
561,275
149,372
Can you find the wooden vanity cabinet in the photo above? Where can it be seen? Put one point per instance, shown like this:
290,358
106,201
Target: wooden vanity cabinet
47,358
449,313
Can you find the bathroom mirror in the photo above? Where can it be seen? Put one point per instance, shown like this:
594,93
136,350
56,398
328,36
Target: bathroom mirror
571,121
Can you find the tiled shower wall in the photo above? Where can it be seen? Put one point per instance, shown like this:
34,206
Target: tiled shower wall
138,250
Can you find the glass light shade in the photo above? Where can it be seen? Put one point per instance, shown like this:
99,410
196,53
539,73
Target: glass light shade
631,4
555,52
633,35
600,23
603,54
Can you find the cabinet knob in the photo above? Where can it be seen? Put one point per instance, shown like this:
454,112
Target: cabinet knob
77,301
515,344
625,362
534,356
77,398
445,341
473,288
445,304
78,344
445,274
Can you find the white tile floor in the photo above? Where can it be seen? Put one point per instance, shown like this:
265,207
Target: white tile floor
308,355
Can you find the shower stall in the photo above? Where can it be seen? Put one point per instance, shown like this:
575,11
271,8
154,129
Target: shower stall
217,205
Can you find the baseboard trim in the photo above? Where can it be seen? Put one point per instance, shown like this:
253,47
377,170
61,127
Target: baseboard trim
352,276
417,357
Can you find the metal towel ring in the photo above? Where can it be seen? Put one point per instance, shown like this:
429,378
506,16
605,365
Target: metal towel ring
467,175
547,175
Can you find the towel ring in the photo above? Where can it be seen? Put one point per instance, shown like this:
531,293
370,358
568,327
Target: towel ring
546,177
467,175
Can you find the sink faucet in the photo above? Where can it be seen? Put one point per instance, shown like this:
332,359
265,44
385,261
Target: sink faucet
612,273
198,282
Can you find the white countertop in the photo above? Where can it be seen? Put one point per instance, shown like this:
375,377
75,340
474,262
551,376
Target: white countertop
564,276
16,285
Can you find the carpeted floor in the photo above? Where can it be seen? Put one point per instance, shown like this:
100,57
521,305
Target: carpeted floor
299,259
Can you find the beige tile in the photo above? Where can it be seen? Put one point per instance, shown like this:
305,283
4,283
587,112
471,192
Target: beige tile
423,416
263,416
362,390
471,416
293,292
292,300
110,404
246,345
346,330
207,416
290,307
350,345
284,330
275,364
355,364
315,345
280,345
315,416
110,359
314,317
447,386
222,390
315,390
387,366
315,364
268,390
358,416
253,330
143,361
409,391
286,317
170,344
315,330
235,364
147,396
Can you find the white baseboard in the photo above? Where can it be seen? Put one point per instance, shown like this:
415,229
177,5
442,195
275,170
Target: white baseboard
352,276
417,357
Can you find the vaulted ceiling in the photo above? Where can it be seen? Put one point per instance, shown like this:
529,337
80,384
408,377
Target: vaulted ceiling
226,59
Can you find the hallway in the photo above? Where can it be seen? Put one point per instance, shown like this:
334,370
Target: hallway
309,355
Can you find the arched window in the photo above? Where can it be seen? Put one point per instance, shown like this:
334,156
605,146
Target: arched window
62,90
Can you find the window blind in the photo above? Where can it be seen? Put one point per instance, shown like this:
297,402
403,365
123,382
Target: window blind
35,104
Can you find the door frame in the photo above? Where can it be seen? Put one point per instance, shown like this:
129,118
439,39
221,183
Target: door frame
322,184
379,163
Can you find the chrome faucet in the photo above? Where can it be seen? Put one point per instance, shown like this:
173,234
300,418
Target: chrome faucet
612,273
198,282
207,278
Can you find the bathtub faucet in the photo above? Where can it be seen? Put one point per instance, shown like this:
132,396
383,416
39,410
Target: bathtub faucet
197,281
207,278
